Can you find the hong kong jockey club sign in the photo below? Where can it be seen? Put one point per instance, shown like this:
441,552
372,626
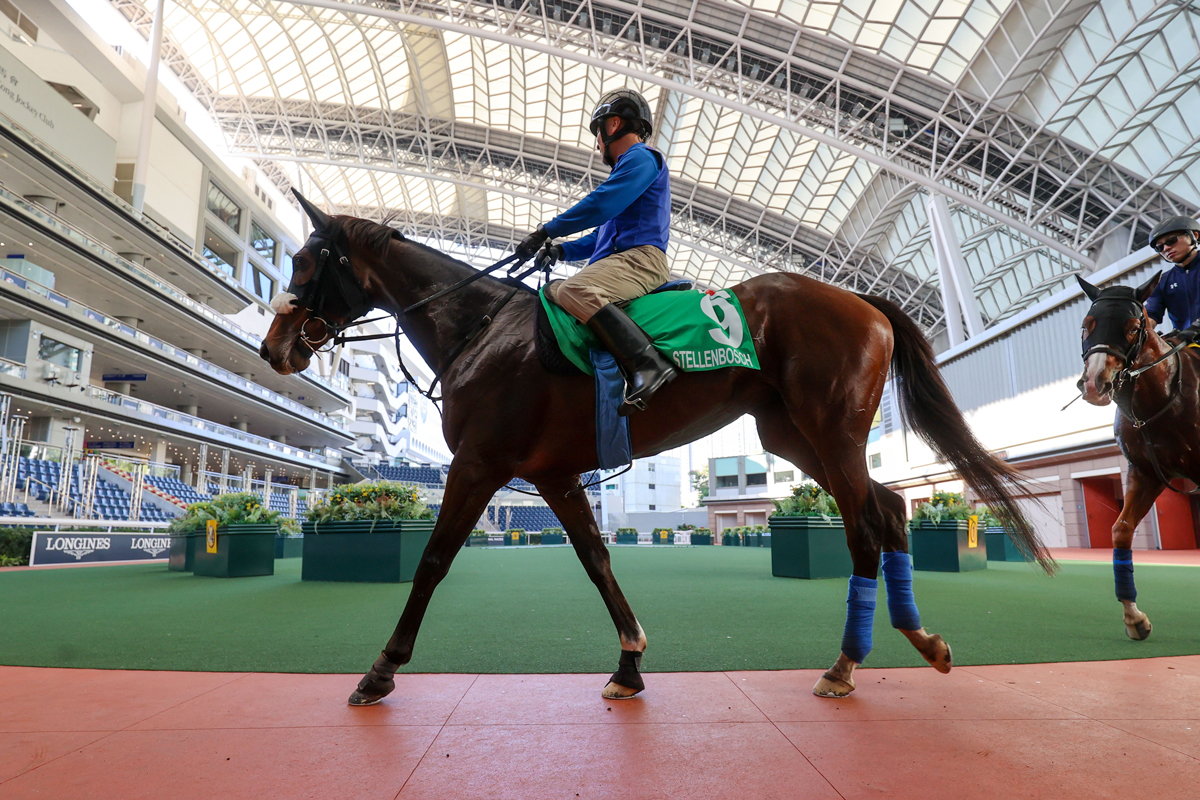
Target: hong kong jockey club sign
66,547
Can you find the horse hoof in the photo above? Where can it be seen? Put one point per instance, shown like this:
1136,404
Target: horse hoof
829,686
360,699
615,691
1140,630
939,656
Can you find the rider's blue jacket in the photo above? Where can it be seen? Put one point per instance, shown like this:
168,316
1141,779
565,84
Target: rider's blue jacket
1178,293
630,209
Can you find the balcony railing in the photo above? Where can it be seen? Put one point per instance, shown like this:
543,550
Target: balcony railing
157,412
207,367
21,207
12,368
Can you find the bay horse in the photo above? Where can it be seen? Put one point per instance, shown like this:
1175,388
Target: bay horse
1156,387
824,355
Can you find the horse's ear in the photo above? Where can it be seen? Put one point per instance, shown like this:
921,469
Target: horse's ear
1146,289
1091,291
320,219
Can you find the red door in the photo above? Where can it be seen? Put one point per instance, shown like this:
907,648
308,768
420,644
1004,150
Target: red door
1102,505
1176,531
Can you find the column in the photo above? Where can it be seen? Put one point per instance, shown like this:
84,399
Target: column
141,168
957,289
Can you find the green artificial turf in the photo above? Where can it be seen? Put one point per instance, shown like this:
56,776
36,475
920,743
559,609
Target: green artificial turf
534,610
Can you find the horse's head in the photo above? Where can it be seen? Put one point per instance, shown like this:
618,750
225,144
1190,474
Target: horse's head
1114,332
325,295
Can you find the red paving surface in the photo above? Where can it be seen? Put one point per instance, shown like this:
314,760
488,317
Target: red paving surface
1119,729
1183,558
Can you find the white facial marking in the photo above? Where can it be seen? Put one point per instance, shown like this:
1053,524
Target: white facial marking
284,303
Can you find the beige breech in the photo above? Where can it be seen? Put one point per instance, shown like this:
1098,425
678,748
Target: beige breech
621,276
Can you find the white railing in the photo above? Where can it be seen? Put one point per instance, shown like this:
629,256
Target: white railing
21,207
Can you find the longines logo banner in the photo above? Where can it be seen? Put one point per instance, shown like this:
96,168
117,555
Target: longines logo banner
58,547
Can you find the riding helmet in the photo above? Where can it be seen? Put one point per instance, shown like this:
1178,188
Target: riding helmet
1173,224
629,106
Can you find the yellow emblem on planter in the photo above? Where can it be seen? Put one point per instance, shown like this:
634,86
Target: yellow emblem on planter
210,536
972,531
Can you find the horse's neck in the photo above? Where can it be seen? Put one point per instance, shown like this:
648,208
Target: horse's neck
1153,388
409,274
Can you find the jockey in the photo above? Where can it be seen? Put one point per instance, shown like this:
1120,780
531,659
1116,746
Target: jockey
1178,292
626,254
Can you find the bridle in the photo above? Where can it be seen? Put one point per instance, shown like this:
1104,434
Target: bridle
334,275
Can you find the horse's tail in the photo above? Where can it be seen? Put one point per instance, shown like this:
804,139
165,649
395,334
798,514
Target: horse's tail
929,409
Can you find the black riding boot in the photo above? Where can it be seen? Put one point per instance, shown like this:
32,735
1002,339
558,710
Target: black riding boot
645,369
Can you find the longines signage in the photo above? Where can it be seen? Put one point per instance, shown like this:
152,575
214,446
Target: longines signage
68,547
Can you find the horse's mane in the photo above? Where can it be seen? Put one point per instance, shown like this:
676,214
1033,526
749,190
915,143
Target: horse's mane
376,237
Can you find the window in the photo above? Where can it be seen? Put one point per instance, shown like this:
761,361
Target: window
785,477
224,208
611,487
262,242
651,485
876,461
263,285
650,467
285,268
757,479
652,508
219,253
55,352
726,481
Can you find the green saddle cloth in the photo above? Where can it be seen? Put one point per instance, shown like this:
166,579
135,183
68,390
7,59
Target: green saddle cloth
696,330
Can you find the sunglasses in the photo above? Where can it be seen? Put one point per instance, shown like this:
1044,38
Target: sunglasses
1165,243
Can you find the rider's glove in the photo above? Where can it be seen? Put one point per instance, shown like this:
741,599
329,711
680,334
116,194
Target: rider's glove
530,244
1190,334
549,255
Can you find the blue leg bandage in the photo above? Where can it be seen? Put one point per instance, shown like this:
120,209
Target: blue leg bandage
1123,573
860,617
902,606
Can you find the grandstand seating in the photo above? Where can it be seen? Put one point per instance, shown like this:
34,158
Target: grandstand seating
111,502
177,488
410,474
530,518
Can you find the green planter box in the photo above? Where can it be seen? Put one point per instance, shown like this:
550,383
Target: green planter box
1000,546
809,547
515,540
476,541
702,539
364,551
765,540
662,537
182,557
752,540
289,546
627,538
731,539
243,551
945,547
553,538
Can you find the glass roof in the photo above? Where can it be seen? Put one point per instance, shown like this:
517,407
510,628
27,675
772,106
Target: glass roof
462,117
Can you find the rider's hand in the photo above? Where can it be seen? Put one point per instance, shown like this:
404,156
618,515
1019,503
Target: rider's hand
549,255
530,244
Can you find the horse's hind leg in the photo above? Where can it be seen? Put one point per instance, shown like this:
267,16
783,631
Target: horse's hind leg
1140,494
897,576
841,469
468,490
570,504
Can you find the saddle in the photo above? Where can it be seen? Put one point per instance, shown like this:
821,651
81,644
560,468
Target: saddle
546,343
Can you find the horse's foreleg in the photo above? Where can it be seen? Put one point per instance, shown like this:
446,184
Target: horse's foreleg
897,576
570,505
467,493
1140,495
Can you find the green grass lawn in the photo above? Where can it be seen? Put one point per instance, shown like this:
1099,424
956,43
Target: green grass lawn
534,610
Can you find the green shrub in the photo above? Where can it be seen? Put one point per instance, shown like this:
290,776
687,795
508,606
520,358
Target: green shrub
686,526
238,508
14,546
943,506
702,531
627,530
517,531
807,500
289,527
552,530
478,532
370,500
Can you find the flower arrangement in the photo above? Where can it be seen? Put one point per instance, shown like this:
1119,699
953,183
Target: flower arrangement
370,500
551,530
943,506
702,531
237,508
807,500
627,530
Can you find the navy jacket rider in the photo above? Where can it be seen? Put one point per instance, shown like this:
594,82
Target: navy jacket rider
1178,292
